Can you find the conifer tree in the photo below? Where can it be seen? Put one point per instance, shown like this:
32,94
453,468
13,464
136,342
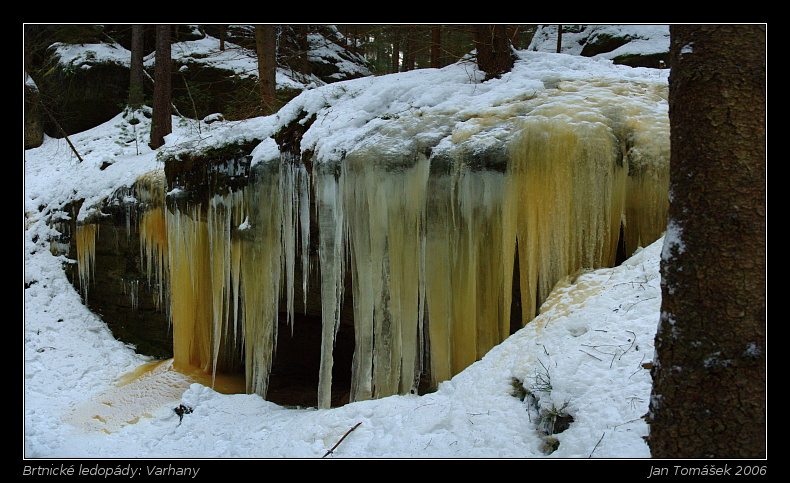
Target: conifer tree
494,53
136,70
161,120
709,374
265,43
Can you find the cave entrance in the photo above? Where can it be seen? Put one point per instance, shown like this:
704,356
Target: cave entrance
293,381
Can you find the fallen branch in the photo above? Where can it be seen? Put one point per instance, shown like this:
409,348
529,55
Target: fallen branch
57,125
341,440
596,444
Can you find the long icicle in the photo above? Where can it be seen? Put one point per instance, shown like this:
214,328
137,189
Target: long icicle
329,189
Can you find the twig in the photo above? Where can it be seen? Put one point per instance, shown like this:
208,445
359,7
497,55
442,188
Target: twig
643,300
626,422
640,367
341,440
596,444
583,352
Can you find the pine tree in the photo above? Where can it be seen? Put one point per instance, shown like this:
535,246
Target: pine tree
136,70
436,46
709,391
494,53
161,120
265,43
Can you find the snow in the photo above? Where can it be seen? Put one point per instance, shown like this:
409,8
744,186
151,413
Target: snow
643,39
591,341
83,56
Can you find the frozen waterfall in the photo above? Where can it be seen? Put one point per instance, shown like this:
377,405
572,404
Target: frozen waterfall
427,216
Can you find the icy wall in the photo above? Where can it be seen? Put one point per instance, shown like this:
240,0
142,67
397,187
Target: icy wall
427,214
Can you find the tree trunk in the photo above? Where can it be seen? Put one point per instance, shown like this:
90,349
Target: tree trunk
395,49
436,45
136,68
222,30
266,46
494,54
304,48
161,120
409,52
559,38
514,32
709,373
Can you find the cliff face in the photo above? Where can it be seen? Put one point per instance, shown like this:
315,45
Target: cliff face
82,98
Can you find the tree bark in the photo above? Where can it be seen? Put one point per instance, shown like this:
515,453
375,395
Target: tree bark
494,53
161,120
136,68
409,55
395,49
709,375
265,42
559,38
304,48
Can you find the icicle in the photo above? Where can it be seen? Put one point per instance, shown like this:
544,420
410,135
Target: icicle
290,212
406,224
467,281
483,203
222,263
190,290
328,191
439,253
385,202
153,233
131,290
240,224
260,262
647,199
86,254
218,226
565,179
295,196
590,156
304,219
359,243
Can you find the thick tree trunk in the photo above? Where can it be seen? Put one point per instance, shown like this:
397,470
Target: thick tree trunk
161,120
136,70
709,390
266,45
559,38
494,54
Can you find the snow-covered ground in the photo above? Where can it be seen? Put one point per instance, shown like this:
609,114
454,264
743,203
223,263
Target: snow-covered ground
584,355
